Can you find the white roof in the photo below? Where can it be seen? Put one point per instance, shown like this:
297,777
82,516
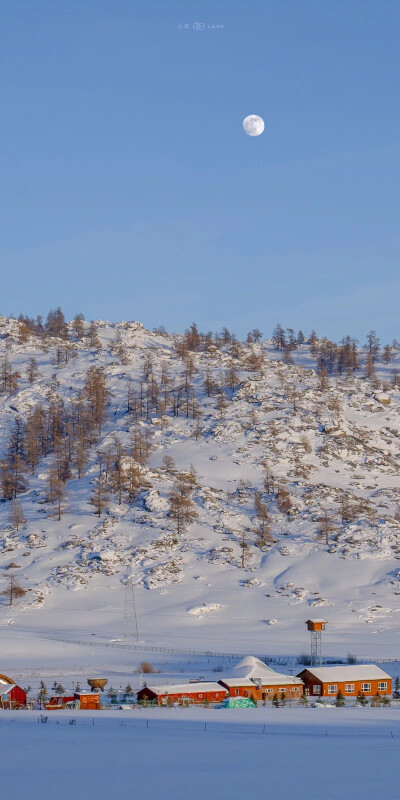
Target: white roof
275,679
251,669
358,672
186,688
5,688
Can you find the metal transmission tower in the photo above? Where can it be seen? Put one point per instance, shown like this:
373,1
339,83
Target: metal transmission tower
316,626
131,630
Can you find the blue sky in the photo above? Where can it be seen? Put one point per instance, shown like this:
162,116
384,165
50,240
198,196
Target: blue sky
129,190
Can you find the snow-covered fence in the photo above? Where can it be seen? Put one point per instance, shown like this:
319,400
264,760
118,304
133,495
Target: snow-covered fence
142,648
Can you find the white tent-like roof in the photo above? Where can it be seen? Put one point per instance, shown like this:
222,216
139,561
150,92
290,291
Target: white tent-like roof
251,667
251,670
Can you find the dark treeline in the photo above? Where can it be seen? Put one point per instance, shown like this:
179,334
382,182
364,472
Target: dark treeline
57,327
66,430
336,358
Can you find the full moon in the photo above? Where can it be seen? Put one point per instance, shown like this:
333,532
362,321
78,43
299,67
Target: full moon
253,125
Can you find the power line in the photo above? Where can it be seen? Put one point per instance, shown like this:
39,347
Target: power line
130,628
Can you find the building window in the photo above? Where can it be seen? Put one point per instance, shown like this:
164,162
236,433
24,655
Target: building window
332,688
316,688
236,691
382,686
200,695
349,688
365,687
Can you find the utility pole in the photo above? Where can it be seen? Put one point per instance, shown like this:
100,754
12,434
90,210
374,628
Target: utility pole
130,617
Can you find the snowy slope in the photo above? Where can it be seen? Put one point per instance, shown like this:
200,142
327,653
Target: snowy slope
193,590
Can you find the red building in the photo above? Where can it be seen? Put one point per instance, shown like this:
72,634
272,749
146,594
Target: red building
11,695
190,693
86,701
57,701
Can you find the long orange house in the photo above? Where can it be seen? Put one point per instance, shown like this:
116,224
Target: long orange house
264,688
366,679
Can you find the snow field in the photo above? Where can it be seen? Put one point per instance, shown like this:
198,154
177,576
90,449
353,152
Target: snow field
340,753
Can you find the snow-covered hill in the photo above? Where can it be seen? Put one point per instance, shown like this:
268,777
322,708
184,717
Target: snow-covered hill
321,454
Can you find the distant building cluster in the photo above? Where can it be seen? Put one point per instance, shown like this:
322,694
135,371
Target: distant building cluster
254,680
251,681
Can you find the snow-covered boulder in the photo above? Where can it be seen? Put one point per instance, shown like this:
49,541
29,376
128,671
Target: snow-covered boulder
156,504
383,398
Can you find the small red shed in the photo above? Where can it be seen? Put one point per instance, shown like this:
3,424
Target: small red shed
11,695
57,701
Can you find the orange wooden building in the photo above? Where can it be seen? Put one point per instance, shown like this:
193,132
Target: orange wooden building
350,680
265,688
88,701
251,677
191,693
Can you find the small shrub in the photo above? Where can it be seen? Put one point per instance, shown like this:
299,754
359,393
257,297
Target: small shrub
275,701
361,699
303,700
145,667
339,699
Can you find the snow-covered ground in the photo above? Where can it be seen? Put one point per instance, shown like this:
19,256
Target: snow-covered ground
192,591
265,752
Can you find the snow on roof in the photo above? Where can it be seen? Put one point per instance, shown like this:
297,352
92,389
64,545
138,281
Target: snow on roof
251,667
5,688
359,672
314,619
186,688
274,679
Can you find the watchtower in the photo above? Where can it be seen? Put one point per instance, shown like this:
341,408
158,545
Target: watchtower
316,626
